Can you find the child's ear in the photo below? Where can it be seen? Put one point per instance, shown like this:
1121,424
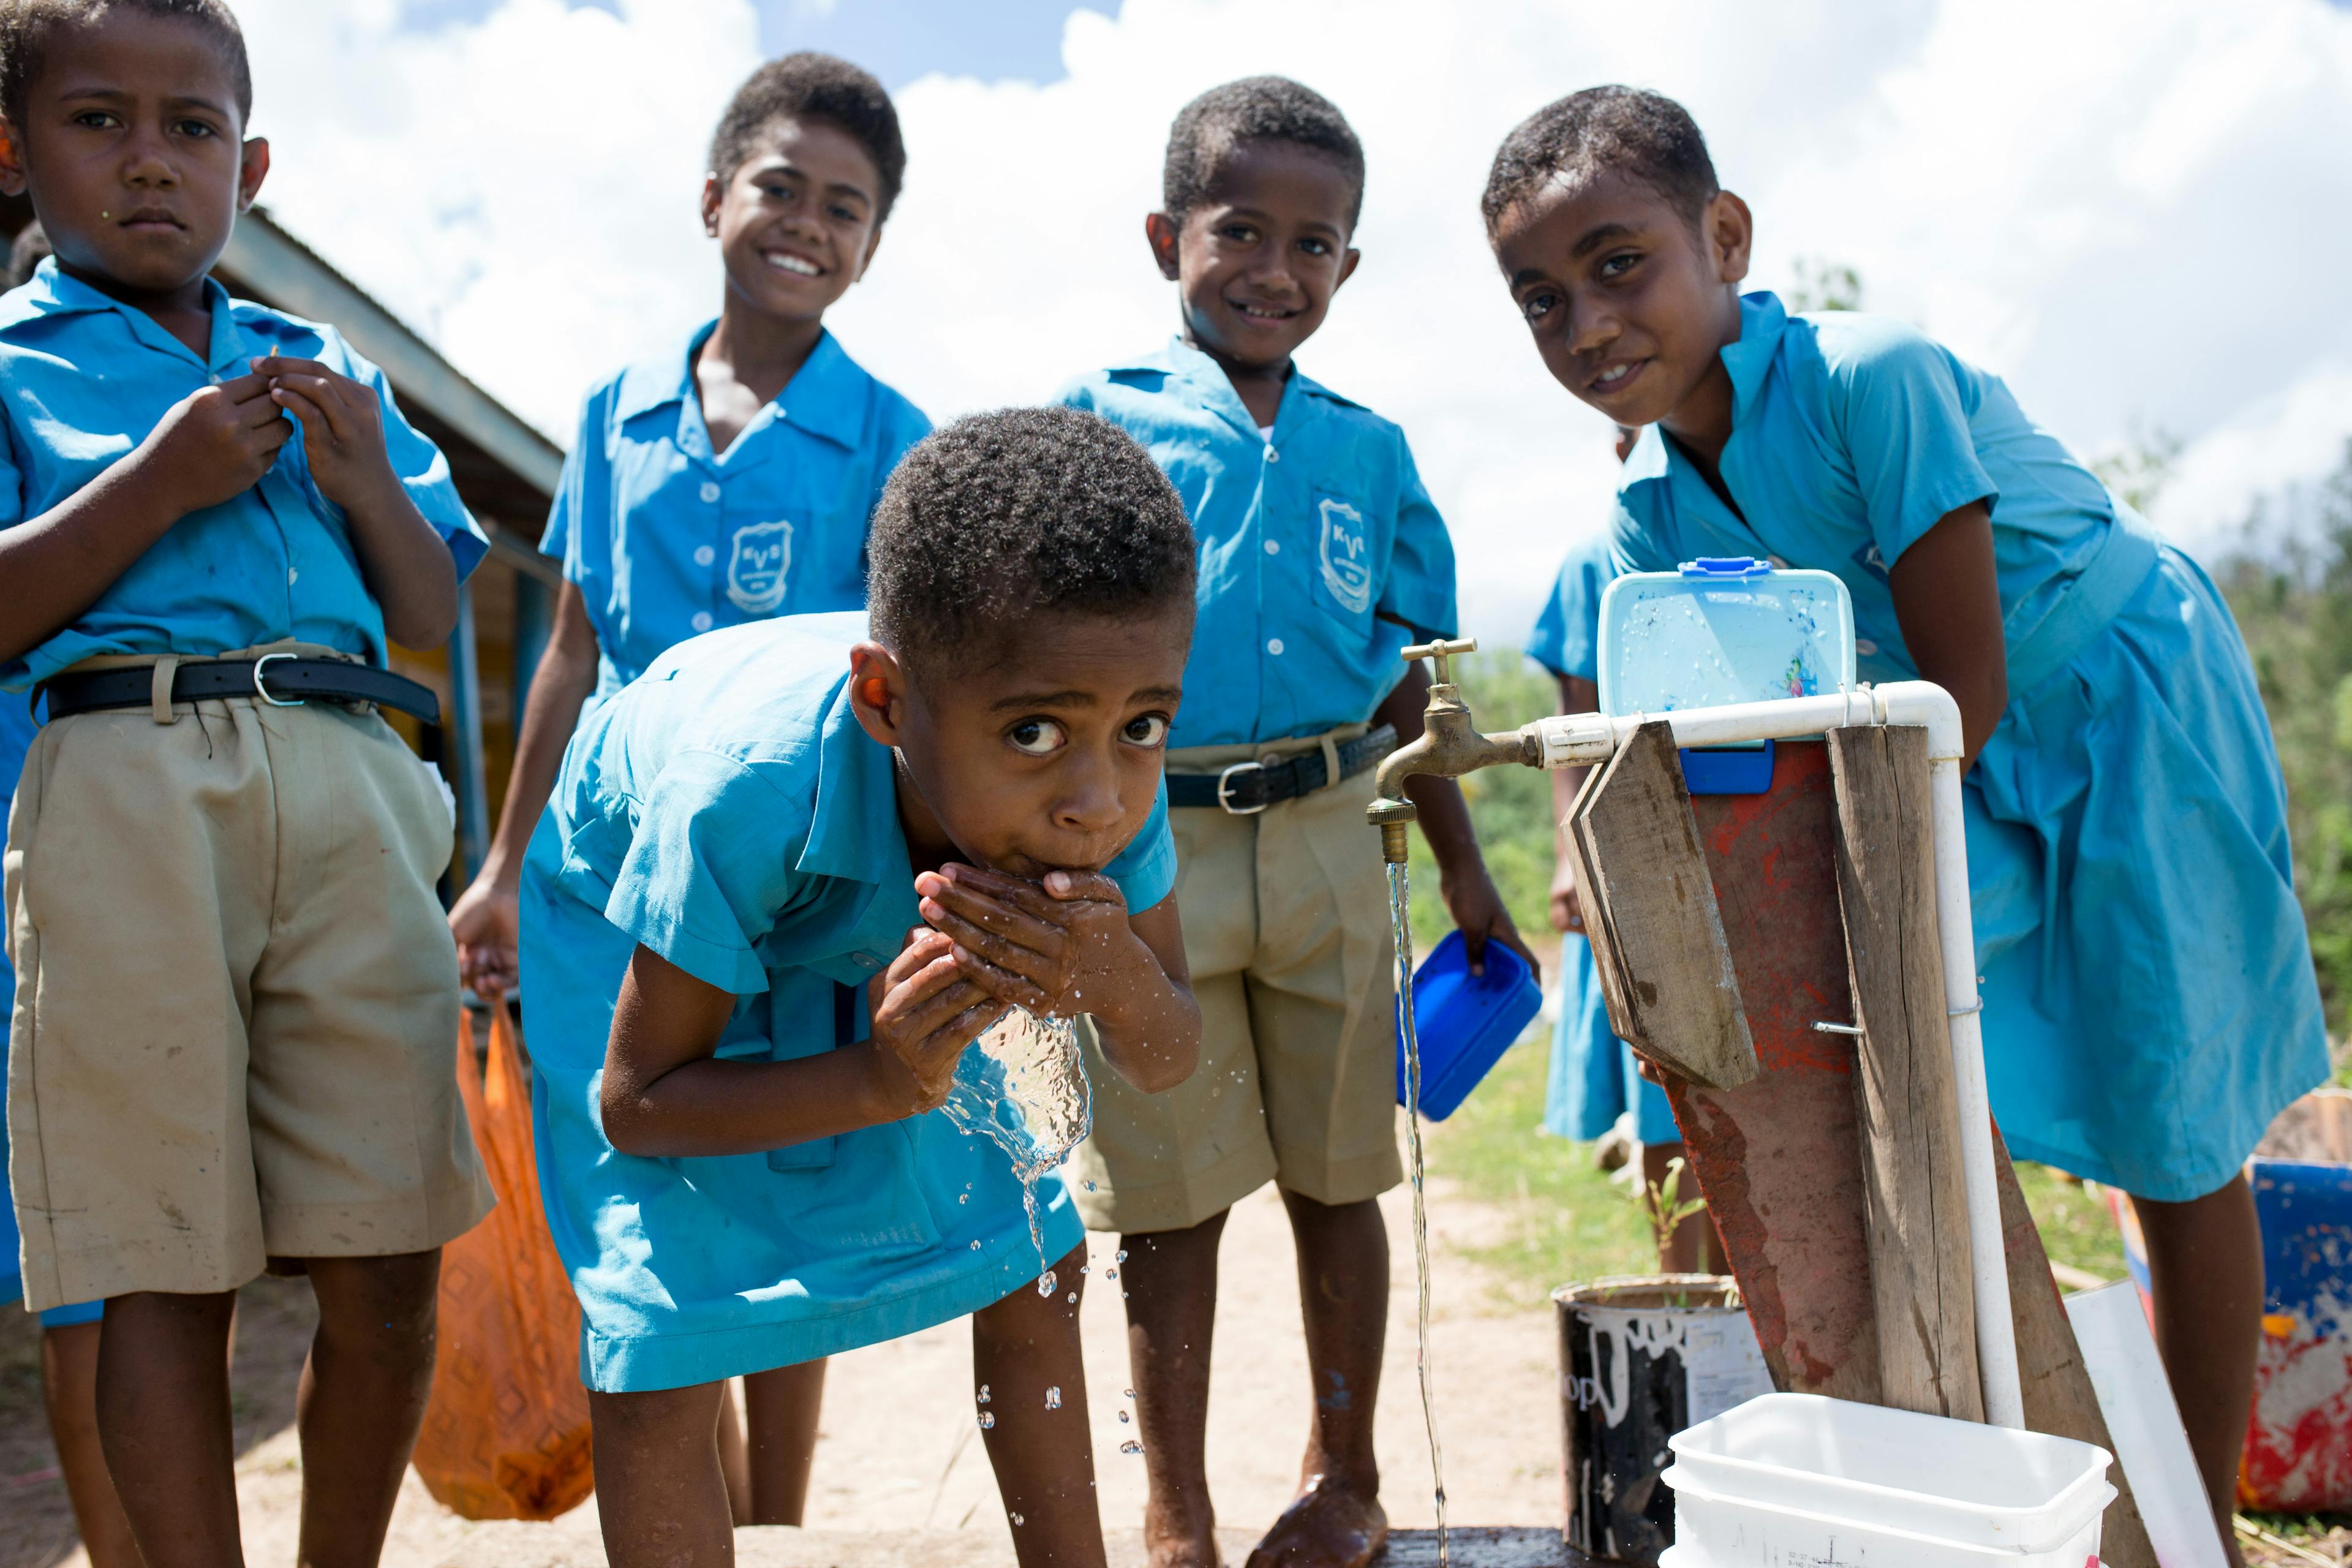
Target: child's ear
878,692
1347,265
714,195
1165,236
252,167
873,243
1730,230
12,159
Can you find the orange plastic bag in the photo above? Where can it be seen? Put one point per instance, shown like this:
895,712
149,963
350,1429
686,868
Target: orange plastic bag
505,1432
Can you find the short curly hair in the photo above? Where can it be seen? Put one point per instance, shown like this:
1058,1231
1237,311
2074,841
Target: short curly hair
812,86
1254,109
1644,135
28,28
1002,515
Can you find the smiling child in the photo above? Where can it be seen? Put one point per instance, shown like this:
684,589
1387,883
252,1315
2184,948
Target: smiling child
2150,1003
788,875
236,1006
1321,558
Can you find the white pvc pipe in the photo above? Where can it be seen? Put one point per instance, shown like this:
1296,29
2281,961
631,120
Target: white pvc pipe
1574,740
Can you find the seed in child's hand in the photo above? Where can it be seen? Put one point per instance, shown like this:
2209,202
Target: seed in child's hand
987,1419
1054,1397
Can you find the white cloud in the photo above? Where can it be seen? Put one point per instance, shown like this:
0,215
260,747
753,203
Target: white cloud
2278,444
2136,211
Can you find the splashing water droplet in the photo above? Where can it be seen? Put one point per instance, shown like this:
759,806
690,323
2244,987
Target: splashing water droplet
1130,1393
987,1419
983,1394
1122,1255
1090,1187
1018,1522
1130,1447
1054,1397
1025,1091
1046,1283
1399,909
1110,1273
1124,1418
975,1246
1083,1267
1073,1297
963,1197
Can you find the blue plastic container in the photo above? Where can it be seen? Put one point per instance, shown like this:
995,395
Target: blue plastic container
1465,1022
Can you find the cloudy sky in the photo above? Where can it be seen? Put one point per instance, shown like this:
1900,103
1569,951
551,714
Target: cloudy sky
2139,211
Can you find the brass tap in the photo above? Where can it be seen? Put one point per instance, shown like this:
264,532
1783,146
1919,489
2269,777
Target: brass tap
1449,746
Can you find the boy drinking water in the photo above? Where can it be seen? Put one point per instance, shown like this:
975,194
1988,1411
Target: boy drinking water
2149,999
236,999
787,878
728,480
1321,558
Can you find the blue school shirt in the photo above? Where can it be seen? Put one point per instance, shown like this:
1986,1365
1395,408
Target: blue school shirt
1852,437
666,539
1315,542
726,811
84,379
1567,638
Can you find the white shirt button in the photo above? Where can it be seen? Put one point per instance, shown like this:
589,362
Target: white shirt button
1274,647
704,555
1274,547
1271,454
701,621
709,489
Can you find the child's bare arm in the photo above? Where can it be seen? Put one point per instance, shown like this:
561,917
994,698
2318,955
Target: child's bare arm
1947,602
406,566
212,447
1461,879
1070,946
666,1096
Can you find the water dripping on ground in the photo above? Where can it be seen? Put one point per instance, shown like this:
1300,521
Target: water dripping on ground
1400,918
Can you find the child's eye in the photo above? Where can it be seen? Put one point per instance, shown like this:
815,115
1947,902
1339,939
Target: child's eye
1535,307
1617,266
95,118
196,127
1314,247
1037,737
1146,730
1239,233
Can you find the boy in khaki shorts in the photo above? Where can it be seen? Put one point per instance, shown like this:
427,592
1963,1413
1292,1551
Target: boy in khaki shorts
1320,558
237,1001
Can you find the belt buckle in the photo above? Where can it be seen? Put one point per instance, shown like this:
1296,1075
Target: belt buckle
1225,786
262,690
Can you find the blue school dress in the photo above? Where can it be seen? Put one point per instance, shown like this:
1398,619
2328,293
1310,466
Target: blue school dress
84,378
2149,999
727,812
1322,556
1594,1078
666,539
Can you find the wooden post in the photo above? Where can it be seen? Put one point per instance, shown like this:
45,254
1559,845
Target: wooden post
1650,912
1915,1203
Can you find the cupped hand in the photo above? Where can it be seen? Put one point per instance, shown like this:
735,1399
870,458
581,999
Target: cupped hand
926,1011
1058,947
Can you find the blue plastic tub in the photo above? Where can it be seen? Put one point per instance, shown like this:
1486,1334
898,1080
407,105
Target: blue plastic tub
1464,1020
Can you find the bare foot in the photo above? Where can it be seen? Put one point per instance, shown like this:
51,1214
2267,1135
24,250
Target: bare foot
1177,1537
1331,1524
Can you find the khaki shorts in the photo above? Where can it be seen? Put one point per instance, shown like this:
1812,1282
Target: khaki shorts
1287,930
236,999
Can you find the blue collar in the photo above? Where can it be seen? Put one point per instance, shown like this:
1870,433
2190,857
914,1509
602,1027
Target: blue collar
52,292
1761,322
857,808
825,396
1204,380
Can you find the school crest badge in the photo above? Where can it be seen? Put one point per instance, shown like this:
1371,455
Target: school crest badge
1347,567
759,567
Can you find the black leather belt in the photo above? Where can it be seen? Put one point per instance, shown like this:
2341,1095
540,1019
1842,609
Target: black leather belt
1247,788
280,680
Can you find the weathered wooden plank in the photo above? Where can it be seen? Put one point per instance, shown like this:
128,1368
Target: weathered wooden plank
1605,964
1906,1101
2059,1398
1776,1157
1650,886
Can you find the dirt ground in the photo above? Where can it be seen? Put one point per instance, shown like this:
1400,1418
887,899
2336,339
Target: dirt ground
899,1451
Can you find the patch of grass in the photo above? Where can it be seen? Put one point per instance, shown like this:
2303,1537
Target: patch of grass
1568,1222
2076,1228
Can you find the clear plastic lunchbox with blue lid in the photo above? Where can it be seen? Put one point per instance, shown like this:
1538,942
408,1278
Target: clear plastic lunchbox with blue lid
1718,631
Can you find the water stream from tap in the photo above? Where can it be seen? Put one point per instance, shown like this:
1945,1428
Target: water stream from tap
1025,1090
1400,917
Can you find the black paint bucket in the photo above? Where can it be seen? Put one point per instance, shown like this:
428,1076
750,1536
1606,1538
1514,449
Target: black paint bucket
1640,1360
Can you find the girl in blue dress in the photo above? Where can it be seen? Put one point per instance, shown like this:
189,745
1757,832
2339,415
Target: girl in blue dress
2150,1001
724,482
